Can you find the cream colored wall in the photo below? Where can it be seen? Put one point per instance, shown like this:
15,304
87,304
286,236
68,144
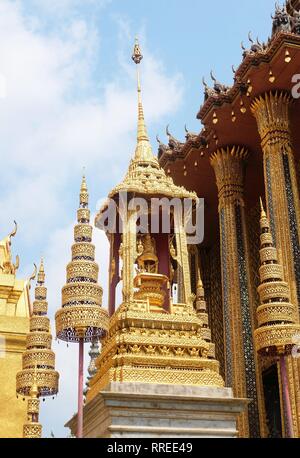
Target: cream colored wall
14,326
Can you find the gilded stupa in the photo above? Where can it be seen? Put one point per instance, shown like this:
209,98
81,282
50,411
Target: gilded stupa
151,338
81,315
81,318
38,377
277,317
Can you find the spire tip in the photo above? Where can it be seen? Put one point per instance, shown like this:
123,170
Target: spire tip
137,56
263,213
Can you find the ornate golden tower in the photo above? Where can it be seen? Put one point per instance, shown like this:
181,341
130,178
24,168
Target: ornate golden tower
151,338
81,315
38,377
276,316
81,318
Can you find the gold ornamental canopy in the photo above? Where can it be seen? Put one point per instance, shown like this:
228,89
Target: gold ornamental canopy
39,359
81,315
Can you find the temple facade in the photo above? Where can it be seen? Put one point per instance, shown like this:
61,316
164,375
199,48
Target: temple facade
202,339
249,147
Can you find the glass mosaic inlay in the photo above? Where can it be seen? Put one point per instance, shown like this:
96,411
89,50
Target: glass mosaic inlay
227,318
247,328
270,200
293,221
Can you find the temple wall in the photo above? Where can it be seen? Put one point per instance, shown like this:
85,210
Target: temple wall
13,332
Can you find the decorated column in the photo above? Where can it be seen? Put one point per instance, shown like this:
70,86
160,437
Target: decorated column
271,111
240,359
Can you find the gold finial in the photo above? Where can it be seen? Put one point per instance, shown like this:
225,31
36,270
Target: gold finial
263,213
33,275
41,274
143,151
83,184
199,283
200,288
264,220
137,54
84,196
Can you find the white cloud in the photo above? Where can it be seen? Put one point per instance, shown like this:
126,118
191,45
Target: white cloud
50,127
63,6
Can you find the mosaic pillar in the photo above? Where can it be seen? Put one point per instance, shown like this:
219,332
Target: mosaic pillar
240,357
271,111
272,115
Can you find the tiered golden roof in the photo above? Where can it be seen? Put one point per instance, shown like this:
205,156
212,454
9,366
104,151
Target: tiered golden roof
81,315
38,377
145,176
276,316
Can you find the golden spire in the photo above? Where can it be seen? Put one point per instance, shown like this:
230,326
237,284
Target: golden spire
83,184
276,316
84,195
41,274
81,315
38,377
262,210
143,152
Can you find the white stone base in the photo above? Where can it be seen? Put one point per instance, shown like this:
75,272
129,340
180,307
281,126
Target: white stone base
141,410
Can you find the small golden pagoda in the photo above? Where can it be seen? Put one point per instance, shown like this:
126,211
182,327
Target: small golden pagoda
277,317
38,377
81,318
81,315
151,338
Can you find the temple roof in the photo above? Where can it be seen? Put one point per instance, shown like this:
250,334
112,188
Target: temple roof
227,119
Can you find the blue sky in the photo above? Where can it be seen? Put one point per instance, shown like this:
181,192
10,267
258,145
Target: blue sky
71,102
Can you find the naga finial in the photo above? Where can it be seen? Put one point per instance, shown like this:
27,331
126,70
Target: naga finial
14,231
250,38
33,275
213,77
204,83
